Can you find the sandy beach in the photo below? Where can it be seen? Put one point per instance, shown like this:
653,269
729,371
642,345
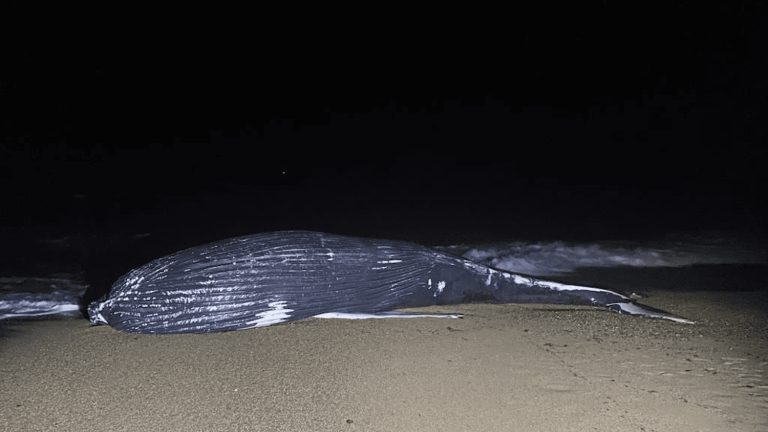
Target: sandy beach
501,367
607,145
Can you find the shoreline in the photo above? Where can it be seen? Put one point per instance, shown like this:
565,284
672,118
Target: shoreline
501,367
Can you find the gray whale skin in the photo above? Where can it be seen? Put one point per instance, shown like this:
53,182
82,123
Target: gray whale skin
270,278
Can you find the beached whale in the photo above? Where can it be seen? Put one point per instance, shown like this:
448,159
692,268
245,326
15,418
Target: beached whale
270,278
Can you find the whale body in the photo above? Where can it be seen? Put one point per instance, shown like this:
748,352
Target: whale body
270,278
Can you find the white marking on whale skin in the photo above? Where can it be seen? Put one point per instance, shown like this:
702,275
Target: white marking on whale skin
385,262
522,280
476,267
440,288
490,272
633,309
563,287
276,315
99,318
133,282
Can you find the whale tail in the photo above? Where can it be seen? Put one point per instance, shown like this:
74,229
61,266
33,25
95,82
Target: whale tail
555,292
506,287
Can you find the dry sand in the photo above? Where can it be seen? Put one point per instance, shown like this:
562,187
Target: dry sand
500,368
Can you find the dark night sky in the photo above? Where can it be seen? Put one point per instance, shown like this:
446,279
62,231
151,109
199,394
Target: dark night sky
582,119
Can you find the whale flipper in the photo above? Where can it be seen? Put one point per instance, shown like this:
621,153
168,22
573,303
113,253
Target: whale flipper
388,314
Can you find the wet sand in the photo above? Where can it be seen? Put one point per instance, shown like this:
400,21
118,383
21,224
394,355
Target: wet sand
501,367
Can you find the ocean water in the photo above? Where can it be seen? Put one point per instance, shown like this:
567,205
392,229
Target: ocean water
721,260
